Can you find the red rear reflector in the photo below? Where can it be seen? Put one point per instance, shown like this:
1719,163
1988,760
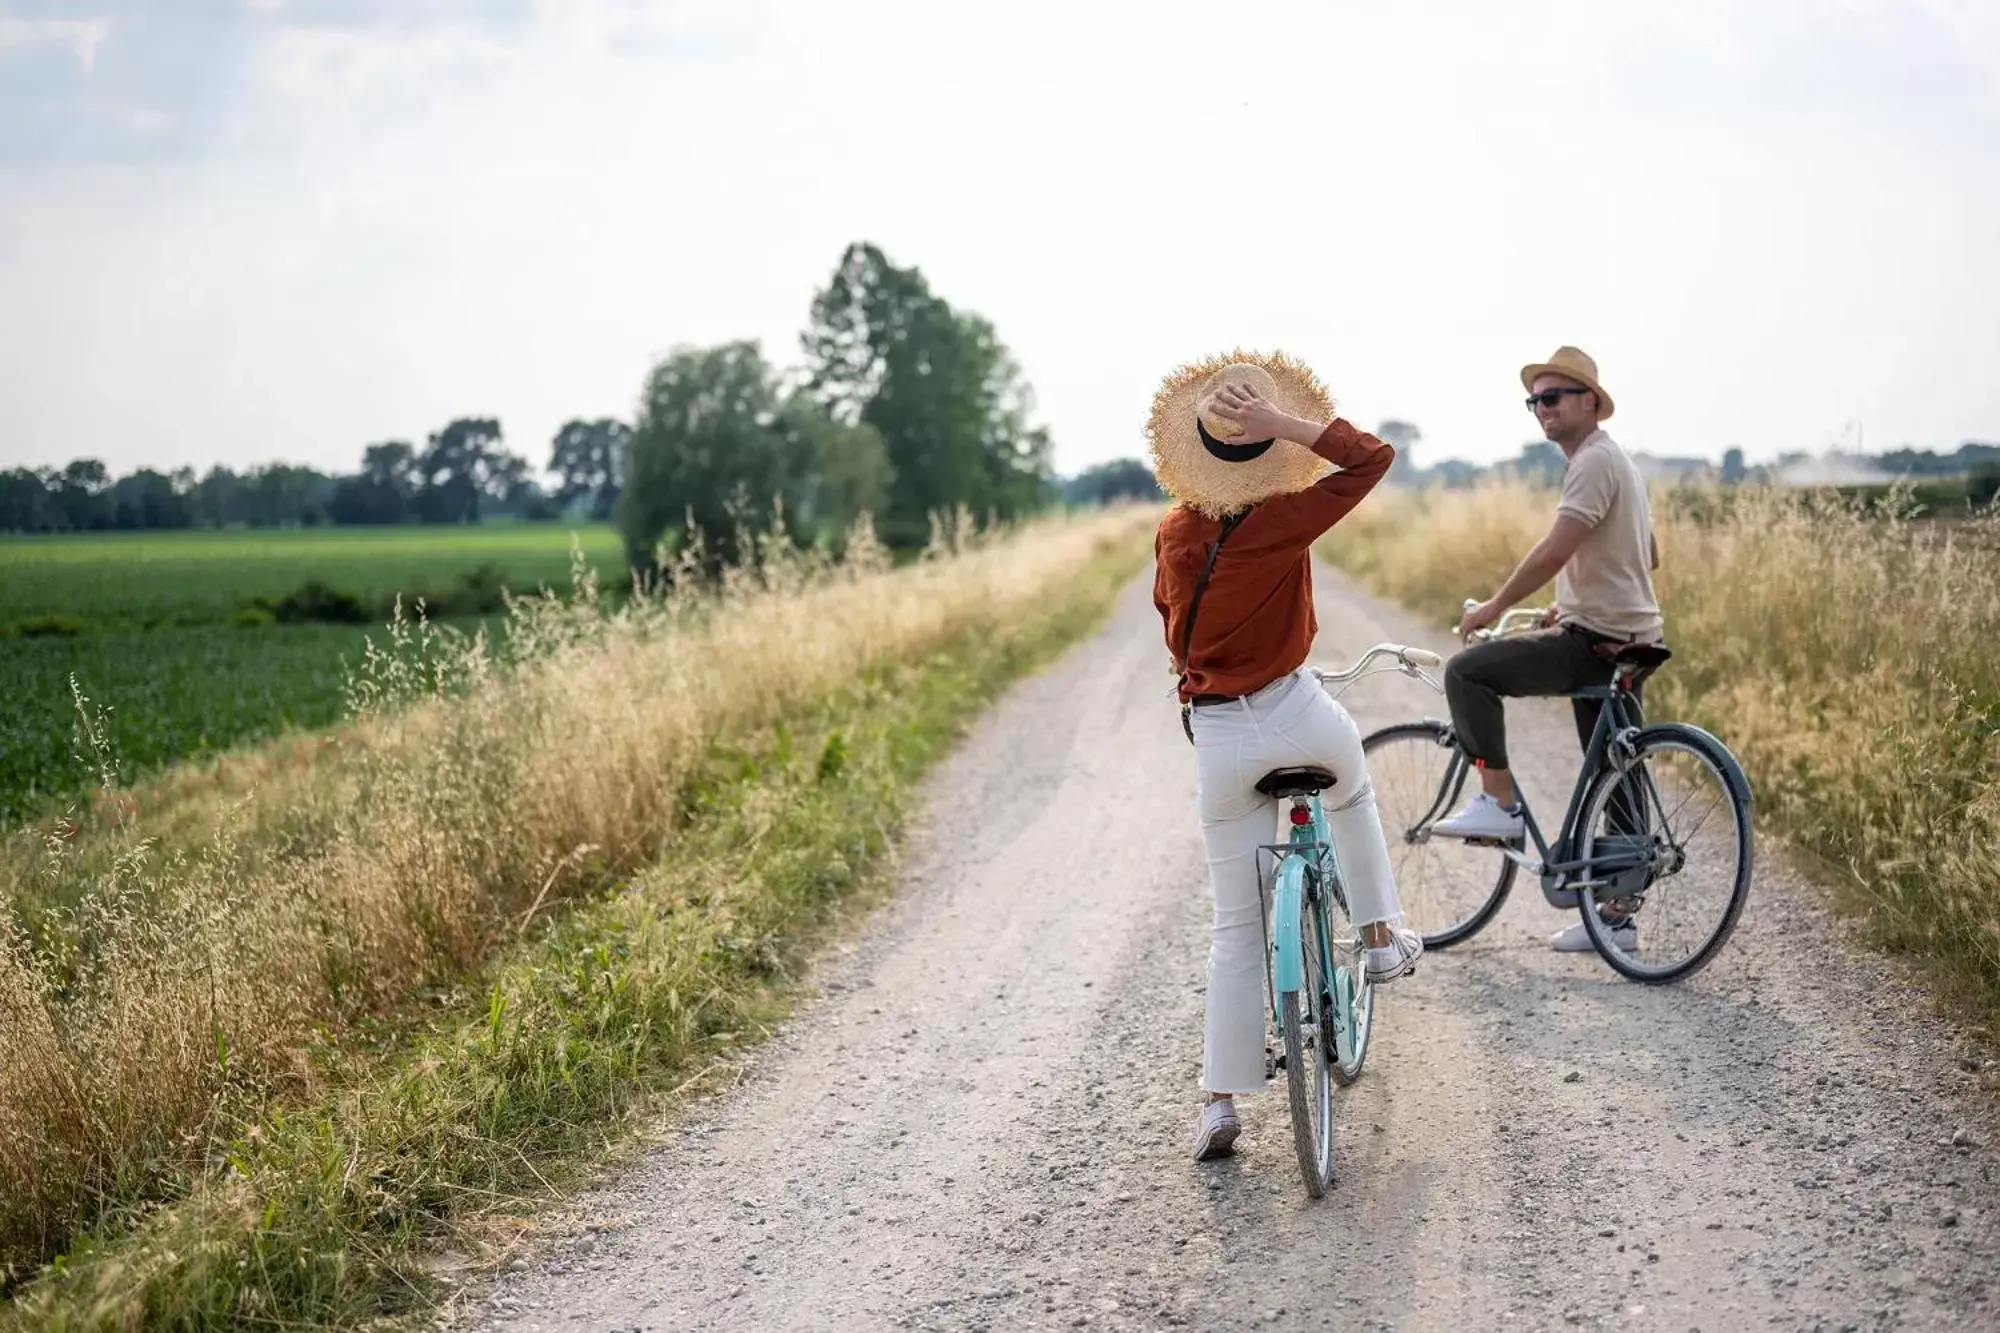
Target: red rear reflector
1300,815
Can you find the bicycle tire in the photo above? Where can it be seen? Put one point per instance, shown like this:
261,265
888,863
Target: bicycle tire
1438,736
1716,754
1312,1135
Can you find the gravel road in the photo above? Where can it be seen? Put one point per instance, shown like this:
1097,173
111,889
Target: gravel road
981,1120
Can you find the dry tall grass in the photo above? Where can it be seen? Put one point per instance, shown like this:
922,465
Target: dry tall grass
147,995
1847,659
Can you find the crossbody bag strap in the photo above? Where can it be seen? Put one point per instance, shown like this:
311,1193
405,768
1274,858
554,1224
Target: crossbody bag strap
1194,605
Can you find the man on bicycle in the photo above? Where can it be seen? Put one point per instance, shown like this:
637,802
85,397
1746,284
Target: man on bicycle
1601,552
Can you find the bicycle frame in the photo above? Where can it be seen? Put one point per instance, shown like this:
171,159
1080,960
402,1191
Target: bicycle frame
1304,867
1307,868
1553,862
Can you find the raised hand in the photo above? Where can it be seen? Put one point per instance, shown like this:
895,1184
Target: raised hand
1255,416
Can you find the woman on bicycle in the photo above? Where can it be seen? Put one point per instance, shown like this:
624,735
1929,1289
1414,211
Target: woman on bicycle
1250,449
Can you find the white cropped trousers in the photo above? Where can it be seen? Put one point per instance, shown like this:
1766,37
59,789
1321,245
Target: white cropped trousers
1289,723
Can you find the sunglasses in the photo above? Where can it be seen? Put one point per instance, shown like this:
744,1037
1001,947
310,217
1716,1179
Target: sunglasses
1550,397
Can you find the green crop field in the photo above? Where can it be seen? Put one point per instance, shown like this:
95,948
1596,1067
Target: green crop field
173,694
151,626
139,579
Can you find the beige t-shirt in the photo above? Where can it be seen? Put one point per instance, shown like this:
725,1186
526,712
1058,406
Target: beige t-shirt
1608,584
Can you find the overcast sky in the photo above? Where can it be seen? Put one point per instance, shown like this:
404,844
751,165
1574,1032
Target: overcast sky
242,231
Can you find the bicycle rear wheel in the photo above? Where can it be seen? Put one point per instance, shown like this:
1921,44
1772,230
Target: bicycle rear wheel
1448,888
1310,1057
1680,816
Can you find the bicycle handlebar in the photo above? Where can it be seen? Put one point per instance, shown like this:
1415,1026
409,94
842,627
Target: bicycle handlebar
1408,660
1529,617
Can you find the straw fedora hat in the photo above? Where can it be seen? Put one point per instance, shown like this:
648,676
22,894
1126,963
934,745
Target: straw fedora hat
1571,364
1201,457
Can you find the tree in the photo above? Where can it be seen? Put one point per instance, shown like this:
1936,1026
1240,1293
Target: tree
844,469
938,387
1403,436
511,488
708,447
456,469
1540,462
1017,455
384,491
28,500
281,495
80,495
214,498
392,465
1732,467
149,499
1456,474
1119,479
1982,486
588,458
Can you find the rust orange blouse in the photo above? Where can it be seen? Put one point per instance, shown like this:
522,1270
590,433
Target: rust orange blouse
1257,622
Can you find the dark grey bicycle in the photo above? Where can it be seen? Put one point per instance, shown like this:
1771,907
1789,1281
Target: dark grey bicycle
1657,834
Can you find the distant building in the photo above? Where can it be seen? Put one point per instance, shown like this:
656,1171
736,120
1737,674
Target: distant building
1672,470
1834,469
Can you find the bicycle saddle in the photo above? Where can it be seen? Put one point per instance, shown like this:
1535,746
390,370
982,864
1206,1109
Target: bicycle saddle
1646,655
1282,782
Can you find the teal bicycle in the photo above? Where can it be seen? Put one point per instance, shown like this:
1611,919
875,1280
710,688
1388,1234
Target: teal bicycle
1322,1005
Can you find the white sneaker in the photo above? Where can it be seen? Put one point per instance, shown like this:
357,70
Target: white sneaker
1576,939
1397,958
1482,817
1219,1128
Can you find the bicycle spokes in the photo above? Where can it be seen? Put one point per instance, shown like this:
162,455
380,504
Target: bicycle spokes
1669,842
1448,888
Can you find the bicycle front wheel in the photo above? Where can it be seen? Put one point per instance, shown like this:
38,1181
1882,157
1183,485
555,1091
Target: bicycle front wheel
1347,1002
1448,888
1309,1084
1670,836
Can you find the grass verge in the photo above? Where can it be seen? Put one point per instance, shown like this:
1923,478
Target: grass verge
1841,651
320,1213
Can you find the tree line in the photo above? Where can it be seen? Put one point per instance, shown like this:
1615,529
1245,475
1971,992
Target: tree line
461,474
905,407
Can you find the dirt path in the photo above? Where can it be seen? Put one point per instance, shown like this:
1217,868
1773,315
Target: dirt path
982,1122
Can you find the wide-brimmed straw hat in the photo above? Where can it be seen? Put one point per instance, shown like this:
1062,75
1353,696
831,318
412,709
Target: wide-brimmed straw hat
1572,364
1201,457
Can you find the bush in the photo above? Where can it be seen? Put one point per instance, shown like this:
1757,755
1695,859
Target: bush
1983,486
252,617
477,592
49,627
312,602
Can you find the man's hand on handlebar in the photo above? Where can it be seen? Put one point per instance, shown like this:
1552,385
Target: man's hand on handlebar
1473,626
1478,615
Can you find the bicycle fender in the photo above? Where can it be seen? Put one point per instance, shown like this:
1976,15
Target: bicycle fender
1288,969
1732,769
